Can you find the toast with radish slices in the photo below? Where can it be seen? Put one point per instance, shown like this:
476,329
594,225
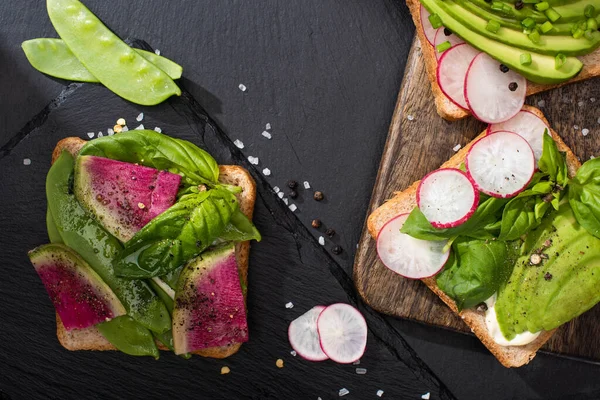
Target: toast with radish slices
454,110
394,210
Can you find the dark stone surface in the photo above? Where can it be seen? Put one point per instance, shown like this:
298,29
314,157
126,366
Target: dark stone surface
325,75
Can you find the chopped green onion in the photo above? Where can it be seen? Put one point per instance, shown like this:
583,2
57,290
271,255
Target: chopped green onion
534,37
559,60
497,5
592,24
531,1
443,46
525,58
578,33
543,6
493,26
528,23
546,27
435,21
507,9
589,34
552,14
589,11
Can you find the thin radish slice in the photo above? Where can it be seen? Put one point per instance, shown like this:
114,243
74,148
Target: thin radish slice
343,333
304,337
493,95
442,36
527,125
501,164
412,258
447,197
451,71
428,30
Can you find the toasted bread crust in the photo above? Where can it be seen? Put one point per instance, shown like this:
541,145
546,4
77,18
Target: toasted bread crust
450,111
90,338
405,202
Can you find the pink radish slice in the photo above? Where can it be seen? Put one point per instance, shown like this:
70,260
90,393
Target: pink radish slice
451,71
343,333
501,164
412,258
447,197
304,337
428,30
441,37
527,125
488,90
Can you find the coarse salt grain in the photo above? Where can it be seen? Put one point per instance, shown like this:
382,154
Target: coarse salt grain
379,393
599,120
410,117
253,160
541,103
26,161
100,134
357,362
125,129
592,99
293,353
576,127
268,126
238,143
139,127
581,104
289,305
457,147
266,134
592,157
280,194
157,129
267,171
361,371
321,240
293,207
343,392
139,117
242,87
90,134
307,185
426,396
276,189
286,201
585,131
110,132
157,52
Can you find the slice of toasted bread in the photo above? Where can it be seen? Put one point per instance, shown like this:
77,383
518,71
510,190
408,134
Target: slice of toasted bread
450,111
405,202
90,338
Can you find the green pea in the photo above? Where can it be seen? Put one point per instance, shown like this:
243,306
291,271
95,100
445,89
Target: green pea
54,58
105,62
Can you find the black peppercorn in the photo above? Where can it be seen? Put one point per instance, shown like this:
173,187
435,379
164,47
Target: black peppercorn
513,86
293,194
447,32
316,223
503,68
519,5
318,196
336,250
330,232
548,276
482,307
292,184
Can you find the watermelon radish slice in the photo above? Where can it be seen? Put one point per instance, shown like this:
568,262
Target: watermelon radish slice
441,36
79,295
493,95
304,337
527,125
447,197
501,164
123,197
451,71
209,306
412,258
428,30
342,332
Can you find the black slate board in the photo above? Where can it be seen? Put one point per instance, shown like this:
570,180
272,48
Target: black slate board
287,264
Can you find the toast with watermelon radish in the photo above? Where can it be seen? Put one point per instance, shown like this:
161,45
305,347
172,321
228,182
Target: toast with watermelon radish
90,338
406,201
447,108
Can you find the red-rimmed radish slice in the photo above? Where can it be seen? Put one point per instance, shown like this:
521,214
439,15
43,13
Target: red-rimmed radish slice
343,333
527,125
441,37
501,164
426,25
412,258
447,197
494,94
451,71
304,337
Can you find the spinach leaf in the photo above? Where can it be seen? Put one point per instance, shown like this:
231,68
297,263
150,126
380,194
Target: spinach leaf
240,229
584,196
177,235
476,270
553,162
159,151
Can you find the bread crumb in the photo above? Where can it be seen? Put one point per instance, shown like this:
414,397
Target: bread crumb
121,121
140,117
225,370
141,206
343,392
117,128
279,363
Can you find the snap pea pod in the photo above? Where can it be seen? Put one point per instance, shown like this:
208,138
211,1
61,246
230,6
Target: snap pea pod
53,233
98,248
116,65
53,57
129,336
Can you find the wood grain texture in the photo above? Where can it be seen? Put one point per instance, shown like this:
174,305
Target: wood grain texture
418,142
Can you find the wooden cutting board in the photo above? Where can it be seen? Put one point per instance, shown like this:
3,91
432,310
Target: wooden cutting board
418,142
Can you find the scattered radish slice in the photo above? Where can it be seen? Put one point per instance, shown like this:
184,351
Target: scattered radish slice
451,71
304,337
527,125
488,90
447,197
426,25
343,333
501,164
441,37
412,258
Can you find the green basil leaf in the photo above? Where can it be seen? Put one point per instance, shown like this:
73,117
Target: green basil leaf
584,196
476,270
159,151
177,235
518,218
541,207
240,229
553,162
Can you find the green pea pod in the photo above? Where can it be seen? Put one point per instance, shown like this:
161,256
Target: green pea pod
53,57
99,248
53,233
116,65
129,337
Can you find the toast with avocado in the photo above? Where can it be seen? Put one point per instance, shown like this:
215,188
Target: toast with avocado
554,50
122,212
517,266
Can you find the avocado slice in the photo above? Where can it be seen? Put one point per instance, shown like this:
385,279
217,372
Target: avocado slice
574,12
548,44
489,15
542,68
